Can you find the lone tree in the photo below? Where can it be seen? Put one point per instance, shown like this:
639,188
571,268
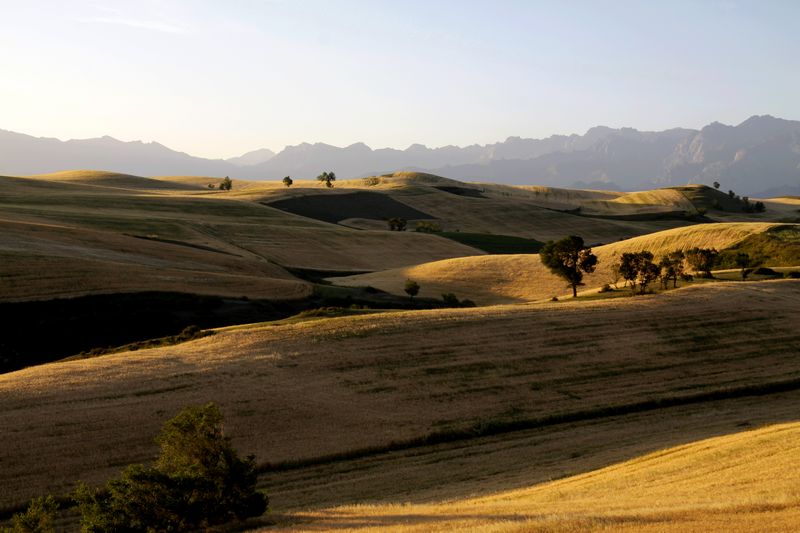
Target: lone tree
411,288
743,262
639,269
716,185
702,260
198,481
226,184
288,181
569,259
328,178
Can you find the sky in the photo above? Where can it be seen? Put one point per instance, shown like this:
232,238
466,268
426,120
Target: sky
217,79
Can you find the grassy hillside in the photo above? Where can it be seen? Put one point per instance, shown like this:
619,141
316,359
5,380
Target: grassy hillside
91,232
88,232
517,278
778,246
533,212
358,384
736,482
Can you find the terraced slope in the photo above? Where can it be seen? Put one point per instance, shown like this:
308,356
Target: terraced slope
515,278
305,390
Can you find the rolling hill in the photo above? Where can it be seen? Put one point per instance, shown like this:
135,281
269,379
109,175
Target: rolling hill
497,279
315,394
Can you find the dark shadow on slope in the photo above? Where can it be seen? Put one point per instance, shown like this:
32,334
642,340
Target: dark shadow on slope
336,207
39,332
461,191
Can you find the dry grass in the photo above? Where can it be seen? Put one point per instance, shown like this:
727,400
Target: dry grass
495,279
304,390
74,233
739,482
99,208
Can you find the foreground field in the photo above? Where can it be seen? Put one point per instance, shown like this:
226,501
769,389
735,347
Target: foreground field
356,385
738,482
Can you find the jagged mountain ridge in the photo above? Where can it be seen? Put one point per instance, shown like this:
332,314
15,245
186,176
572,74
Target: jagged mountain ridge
759,155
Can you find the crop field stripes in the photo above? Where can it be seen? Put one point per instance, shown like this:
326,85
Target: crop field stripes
502,427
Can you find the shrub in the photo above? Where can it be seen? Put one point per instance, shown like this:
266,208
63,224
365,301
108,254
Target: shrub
371,181
468,303
397,224
450,299
226,184
792,274
427,227
39,517
198,481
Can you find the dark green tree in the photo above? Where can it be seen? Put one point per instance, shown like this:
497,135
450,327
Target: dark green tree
672,267
702,260
743,262
411,288
638,268
288,181
328,178
569,259
716,185
198,481
226,184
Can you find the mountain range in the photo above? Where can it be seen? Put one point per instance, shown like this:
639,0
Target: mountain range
759,157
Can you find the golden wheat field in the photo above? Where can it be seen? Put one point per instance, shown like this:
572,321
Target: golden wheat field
666,412
316,388
738,482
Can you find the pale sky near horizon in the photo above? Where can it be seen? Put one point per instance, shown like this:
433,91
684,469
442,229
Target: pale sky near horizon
217,79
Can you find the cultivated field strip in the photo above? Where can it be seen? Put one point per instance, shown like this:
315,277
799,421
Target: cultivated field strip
736,482
517,460
317,388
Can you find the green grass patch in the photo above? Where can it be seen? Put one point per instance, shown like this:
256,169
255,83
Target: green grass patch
779,246
495,244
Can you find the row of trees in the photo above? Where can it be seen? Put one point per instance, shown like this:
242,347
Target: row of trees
225,185
326,177
423,226
570,259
